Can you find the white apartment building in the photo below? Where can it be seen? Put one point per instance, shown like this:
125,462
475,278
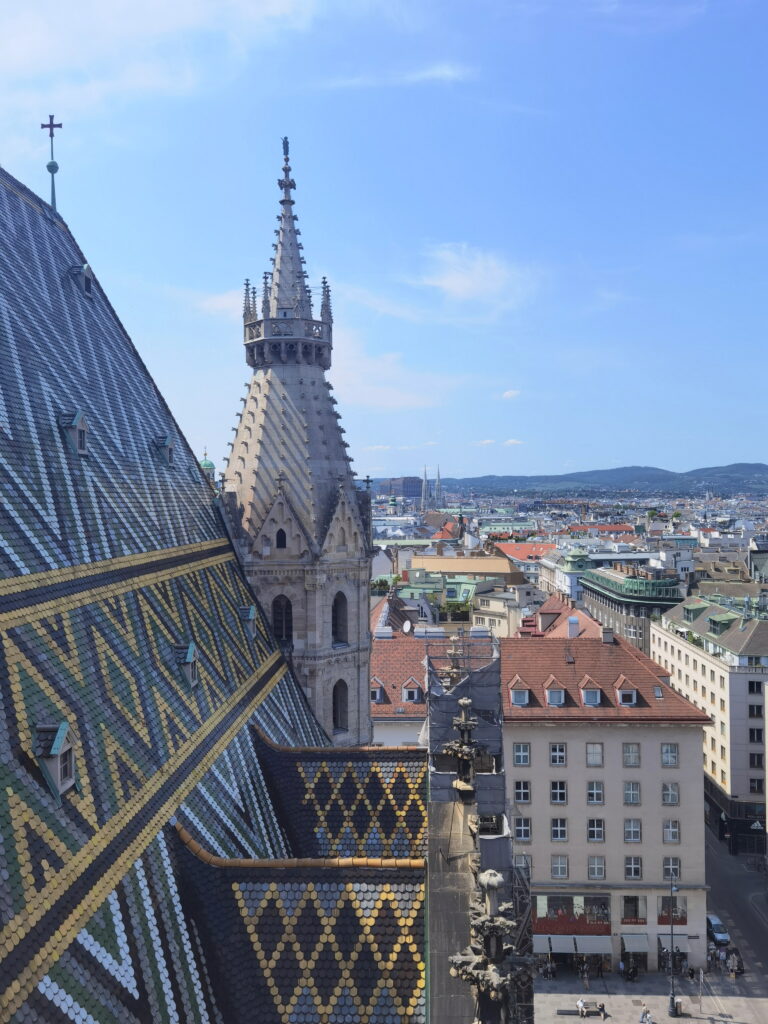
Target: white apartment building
605,799
501,611
716,651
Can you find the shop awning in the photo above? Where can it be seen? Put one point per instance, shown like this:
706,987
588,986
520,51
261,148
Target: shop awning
635,942
593,943
540,943
562,943
680,941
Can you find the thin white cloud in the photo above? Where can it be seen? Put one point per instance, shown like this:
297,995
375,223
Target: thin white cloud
482,444
444,72
228,304
462,273
511,441
385,380
512,393
378,448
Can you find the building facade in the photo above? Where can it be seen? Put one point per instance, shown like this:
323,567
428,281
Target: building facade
301,526
716,652
626,597
605,800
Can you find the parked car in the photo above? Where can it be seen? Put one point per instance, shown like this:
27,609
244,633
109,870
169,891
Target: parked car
716,931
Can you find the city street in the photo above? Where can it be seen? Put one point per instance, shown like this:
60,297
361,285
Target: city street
739,896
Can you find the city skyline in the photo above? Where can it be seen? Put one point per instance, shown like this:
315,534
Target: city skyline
543,225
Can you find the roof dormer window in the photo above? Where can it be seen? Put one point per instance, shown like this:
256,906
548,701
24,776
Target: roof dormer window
164,447
75,429
377,694
555,697
519,697
591,696
250,619
56,757
189,663
83,275
627,698
411,693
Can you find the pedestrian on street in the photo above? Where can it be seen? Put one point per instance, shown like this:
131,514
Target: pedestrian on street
581,1008
643,1014
601,1008
621,969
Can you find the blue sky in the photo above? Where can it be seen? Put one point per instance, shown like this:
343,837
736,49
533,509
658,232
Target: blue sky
543,221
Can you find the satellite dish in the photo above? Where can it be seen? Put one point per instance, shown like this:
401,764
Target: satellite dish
407,626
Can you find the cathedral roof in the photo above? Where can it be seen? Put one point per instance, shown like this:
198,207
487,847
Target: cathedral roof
139,678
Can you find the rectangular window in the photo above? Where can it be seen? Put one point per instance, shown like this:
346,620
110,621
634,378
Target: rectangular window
670,755
633,868
522,829
595,793
66,766
559,830
633,832
560,866
524,861
557,753
522,791
722,705
671,869
521,754
670,793
596,868
596,830
755,785
558,792
756,761
671,830
755,686
755,735
594,755
631,792
633,909
755,710
712,744
631,752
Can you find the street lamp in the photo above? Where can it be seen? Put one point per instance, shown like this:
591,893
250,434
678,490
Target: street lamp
672,902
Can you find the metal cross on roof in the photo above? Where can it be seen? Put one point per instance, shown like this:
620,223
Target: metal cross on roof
52,166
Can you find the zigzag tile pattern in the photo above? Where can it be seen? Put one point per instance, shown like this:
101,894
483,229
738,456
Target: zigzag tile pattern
315,948
113,562
347,803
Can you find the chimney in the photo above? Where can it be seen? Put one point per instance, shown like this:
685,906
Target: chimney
573,627
607,635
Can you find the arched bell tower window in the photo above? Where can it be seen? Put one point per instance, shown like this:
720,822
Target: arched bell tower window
340,707
280,541
339,619
282,619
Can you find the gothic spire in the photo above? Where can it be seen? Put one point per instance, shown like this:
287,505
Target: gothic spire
424,491
288,294
326,313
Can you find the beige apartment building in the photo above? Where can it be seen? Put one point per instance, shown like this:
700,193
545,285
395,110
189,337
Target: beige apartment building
605,800
716,651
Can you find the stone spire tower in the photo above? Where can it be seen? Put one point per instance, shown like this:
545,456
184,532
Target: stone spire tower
300,523
438,490
424,491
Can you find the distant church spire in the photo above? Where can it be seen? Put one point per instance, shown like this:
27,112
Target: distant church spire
438,490
424,491
288,294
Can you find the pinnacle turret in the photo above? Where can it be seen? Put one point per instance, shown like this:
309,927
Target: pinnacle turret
280,328
288,294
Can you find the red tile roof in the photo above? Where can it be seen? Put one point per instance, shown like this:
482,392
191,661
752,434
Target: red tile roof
524,552
538,659
395,661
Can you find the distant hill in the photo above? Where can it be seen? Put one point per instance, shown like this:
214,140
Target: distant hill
738,478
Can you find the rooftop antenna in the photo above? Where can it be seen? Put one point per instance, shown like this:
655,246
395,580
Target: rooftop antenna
52,167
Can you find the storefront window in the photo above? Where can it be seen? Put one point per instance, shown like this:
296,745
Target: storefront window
633,910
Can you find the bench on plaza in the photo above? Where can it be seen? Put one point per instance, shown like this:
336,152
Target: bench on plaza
591,1008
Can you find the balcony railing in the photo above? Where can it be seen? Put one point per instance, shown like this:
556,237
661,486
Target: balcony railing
566,924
